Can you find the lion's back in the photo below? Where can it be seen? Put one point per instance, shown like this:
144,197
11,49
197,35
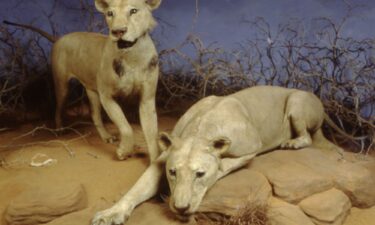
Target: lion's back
78,55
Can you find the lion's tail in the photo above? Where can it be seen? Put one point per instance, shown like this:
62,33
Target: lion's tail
339,130
321,142
46,35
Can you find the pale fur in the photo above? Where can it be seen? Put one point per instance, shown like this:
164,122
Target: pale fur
105,70
218,135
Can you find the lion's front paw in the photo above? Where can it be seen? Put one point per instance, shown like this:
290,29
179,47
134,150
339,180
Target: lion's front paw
111,216
110,139
123,154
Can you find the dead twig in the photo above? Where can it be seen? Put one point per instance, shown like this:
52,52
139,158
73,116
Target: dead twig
57,142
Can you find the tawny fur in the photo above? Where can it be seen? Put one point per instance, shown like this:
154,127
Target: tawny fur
125,62
106,69
218,135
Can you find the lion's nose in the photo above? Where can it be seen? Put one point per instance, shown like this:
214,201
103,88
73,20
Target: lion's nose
119,32
182,209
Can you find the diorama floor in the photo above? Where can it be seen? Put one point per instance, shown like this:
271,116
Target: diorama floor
77,156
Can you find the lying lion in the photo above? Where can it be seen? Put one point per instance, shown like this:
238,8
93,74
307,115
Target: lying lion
218,135
123,63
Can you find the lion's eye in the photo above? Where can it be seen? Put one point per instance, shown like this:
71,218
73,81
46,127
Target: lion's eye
200,174
172,172
110,13
133,11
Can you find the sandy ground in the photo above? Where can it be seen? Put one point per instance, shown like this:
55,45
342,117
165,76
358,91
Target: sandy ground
81,158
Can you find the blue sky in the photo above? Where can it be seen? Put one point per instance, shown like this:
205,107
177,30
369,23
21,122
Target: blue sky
218,21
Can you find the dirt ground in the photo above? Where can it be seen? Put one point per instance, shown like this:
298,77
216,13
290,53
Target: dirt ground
80,156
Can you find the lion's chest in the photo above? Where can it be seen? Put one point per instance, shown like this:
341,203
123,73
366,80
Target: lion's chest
128,78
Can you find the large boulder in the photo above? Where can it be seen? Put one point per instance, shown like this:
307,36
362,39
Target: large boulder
82,217
297,174
292,180
41,204
236,191
326,208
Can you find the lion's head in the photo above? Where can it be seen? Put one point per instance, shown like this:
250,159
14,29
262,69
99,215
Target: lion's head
192,167
128,20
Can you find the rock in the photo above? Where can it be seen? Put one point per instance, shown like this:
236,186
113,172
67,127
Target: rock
361,216
329,207
236,191
296,174
352,176
291,179
81,217
155,213
283,213
357,182
41,204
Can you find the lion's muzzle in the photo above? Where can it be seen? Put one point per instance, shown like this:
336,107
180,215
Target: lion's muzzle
181,209
181,199
119,33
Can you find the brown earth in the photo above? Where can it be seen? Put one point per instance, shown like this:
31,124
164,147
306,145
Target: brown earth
80,157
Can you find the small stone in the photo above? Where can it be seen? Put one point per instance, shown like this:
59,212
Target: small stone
283,213
329,207
357,182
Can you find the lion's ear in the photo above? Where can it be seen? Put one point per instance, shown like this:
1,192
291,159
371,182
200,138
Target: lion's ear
101,5
154,4
164,141
220,145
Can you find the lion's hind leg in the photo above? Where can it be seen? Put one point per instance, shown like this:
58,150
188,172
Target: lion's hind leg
304,112
61,91
302,136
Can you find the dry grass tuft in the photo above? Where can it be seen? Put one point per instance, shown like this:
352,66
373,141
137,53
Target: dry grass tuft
251,214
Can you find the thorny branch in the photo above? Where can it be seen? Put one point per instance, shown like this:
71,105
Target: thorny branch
338,69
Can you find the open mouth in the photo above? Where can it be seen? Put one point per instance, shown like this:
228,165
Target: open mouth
121,44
